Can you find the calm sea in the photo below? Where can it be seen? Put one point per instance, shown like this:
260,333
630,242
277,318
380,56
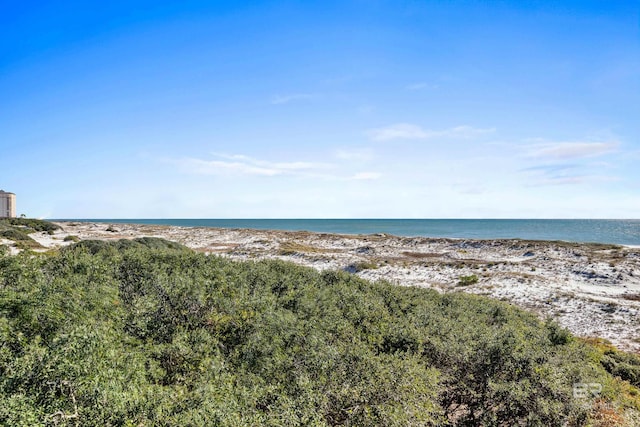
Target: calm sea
624,232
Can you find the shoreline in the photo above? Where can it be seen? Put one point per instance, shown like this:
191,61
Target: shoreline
351,235
593,289
607,231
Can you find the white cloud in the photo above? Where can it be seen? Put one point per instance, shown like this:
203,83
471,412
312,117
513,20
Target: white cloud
410,131
218,167
284,99
244,165
239,164
574,180
564,163
360,155
274,165
366,176
562,180
567,174
571,150
398,131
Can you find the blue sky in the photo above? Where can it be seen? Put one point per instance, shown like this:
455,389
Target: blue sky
345,109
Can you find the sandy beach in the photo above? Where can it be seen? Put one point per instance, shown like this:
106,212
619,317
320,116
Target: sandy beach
592,289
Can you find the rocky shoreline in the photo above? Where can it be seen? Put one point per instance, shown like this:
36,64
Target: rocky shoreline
592,289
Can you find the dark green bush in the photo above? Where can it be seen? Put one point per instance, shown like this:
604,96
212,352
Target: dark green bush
467,280
30,224
18,230
20,238
14,234
361,266
97,246
623,365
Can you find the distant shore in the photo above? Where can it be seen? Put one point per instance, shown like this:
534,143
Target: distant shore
610,231
592,289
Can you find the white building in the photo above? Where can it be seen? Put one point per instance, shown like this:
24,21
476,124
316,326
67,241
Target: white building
7,205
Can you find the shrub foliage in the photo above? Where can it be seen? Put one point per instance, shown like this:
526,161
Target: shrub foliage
148,333
29,224
18,230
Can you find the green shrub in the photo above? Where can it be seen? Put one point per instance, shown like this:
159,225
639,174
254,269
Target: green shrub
467,280
18,230
20,238
30,224
361,266
623,365
14,234
28,244
97,246
121,334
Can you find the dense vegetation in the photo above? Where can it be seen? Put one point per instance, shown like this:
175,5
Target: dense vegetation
18,230
146,333
29,224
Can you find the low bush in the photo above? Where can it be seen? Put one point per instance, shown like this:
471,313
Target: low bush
14,234
467,280
30,223
20,238
18,230
361,266
98,246
623,365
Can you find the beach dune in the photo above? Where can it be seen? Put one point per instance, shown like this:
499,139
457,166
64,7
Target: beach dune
592,289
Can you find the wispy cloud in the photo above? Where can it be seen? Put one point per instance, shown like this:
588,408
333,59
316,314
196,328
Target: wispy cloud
411,131
239,164
283,166
244,165
561,180
361,176
570,150
550,169
573,180
218,167
568,163
566,174
354,154
285,99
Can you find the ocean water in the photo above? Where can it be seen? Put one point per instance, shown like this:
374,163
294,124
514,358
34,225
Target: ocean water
623,232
